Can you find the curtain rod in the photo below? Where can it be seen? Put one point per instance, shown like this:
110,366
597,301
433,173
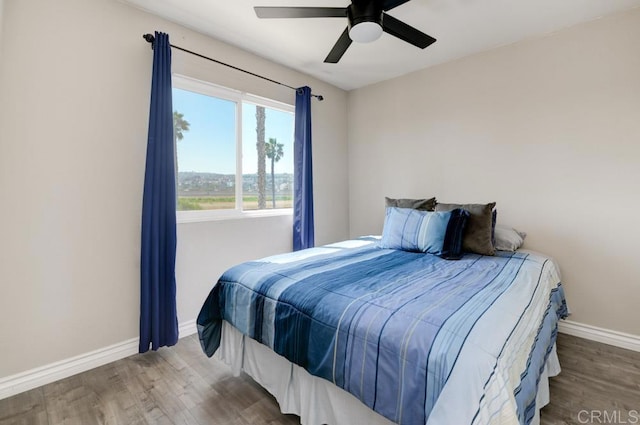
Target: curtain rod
149,38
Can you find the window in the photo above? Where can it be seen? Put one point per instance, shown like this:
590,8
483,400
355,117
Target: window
234,151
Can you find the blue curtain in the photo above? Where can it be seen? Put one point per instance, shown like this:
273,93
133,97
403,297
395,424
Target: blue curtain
303,236
158,318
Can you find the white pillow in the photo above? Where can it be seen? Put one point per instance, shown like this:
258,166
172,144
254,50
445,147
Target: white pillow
508,238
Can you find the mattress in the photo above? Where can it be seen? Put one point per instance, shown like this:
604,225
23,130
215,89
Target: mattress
413,337
316,400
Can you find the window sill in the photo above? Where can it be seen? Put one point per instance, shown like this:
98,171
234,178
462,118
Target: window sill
200,216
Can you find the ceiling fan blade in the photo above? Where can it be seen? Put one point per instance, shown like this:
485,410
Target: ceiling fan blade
406,32
339,48
300,12
390,4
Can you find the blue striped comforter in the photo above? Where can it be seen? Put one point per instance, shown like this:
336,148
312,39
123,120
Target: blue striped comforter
416,338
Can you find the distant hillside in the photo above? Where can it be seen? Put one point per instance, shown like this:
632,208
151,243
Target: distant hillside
192,183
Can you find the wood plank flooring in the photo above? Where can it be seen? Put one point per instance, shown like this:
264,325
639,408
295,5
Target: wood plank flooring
598,384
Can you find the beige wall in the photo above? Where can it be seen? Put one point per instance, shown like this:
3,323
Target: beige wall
549,128
73,122
1,20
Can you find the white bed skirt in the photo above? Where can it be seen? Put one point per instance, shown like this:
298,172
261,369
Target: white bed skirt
316,400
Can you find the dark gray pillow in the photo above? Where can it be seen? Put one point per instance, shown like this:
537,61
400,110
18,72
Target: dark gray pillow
478,233
416,204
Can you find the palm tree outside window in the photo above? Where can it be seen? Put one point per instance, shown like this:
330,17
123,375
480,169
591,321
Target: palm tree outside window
274,151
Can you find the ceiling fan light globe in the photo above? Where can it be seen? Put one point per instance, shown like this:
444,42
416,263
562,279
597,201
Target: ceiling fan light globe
365,32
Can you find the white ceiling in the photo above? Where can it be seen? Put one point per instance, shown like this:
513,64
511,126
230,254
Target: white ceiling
462,27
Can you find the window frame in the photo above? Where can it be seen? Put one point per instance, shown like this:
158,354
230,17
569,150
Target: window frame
206,88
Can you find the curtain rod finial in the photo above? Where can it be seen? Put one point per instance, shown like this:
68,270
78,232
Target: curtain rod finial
148,37
320,98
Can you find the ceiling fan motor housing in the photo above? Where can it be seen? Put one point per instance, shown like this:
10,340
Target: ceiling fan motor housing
365,21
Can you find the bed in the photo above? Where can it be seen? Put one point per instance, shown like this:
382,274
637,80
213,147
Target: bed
355,333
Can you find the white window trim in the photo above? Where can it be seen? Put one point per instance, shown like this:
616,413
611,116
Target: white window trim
204,87
221,215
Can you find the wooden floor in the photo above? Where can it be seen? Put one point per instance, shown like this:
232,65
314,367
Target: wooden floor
182,386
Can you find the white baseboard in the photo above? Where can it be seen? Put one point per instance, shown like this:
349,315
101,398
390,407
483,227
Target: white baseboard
606,336
52,372
24,381
187,328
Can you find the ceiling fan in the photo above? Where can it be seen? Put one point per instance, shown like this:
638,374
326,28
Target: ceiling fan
366,21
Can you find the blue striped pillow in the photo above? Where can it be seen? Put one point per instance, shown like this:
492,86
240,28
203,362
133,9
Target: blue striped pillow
413,230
